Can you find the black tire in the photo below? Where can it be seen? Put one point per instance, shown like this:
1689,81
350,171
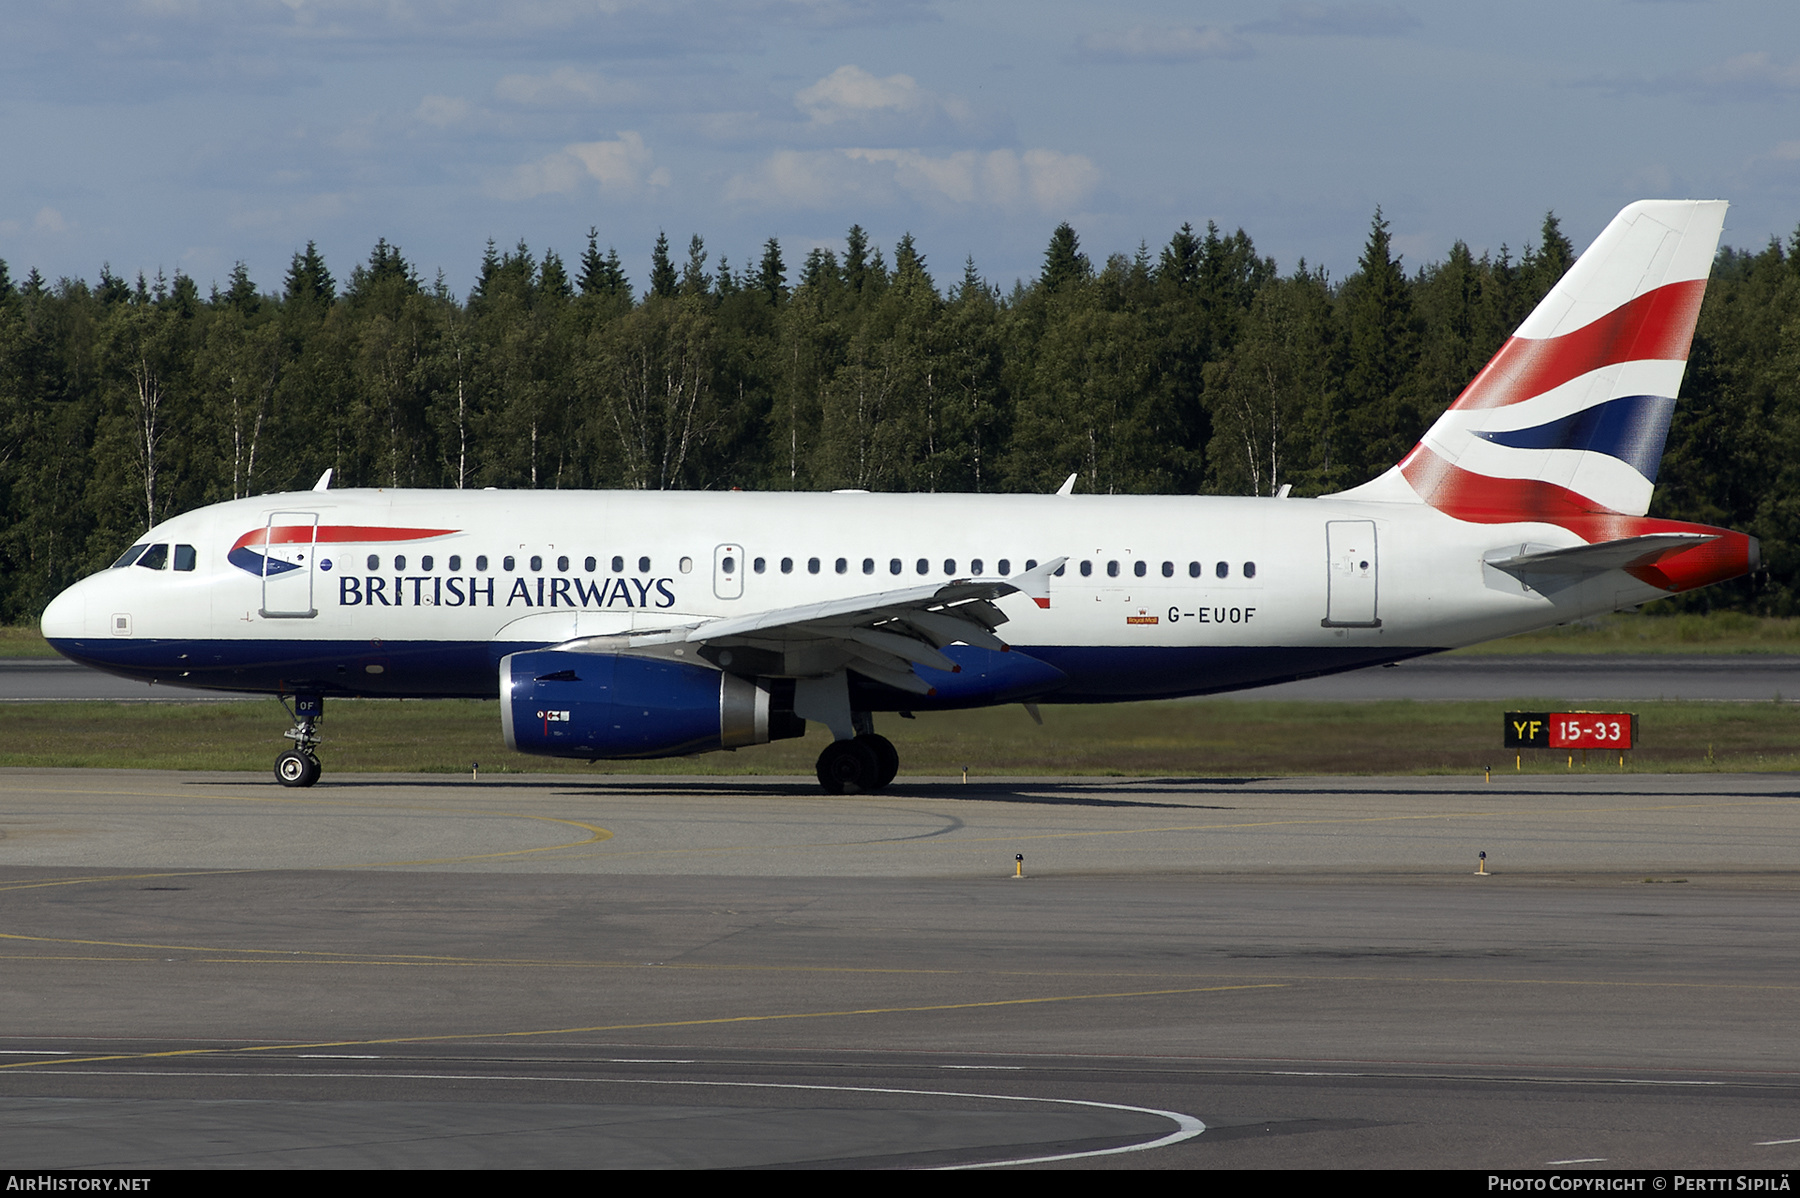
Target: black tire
314,769
848,767
295,769
887,758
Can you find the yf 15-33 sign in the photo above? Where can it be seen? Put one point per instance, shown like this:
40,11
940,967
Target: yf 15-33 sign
1570,729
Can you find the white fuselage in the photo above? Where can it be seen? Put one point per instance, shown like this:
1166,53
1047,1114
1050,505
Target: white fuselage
421,592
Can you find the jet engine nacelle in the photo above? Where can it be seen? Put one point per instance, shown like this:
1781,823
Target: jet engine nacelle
596,705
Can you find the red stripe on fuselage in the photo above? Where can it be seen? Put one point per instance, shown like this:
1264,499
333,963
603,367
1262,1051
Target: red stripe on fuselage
329,534
1656,325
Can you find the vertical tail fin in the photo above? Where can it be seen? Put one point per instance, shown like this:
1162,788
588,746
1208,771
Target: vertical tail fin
1570,417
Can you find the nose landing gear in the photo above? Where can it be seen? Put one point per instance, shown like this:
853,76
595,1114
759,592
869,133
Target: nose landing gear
299,766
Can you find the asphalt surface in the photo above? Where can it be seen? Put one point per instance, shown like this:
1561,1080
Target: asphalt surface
1743,677
204,970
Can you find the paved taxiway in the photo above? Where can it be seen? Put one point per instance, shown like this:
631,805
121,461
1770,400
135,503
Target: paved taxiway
206,970
1609,677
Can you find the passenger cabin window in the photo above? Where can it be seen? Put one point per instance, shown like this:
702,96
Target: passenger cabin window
787,565
1193,569
895,566
1030,564
1141,569
399,561
590,565
456,562
1223,569
537,563
1112,569
728,564
184,557
425,563
975,566
643,565
812,565
950,565
1249,569
842,566
562,565
686,565
506,563
924,566
1005,567
868,565
481,563
618,565
1168,569
129,556
1087,568
155,558
760,564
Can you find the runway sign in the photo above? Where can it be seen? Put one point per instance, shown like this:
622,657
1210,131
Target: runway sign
1570,729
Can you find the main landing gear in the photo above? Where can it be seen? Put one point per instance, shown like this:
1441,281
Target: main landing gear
861,765
299,766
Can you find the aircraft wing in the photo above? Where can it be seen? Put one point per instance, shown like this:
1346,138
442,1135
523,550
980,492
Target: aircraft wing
881,636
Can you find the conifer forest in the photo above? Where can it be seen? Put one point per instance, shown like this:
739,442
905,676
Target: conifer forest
1193,368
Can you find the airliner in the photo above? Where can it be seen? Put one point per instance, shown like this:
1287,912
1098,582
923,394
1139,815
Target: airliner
620,625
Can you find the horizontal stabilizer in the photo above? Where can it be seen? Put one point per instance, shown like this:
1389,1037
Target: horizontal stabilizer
1554,569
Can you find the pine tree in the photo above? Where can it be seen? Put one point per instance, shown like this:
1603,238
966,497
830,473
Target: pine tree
663,281
771,278
1064,263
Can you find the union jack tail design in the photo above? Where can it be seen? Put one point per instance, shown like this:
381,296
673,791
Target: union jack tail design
1567,422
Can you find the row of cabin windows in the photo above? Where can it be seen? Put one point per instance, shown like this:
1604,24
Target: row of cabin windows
814,565
1003,566
509,563
157,557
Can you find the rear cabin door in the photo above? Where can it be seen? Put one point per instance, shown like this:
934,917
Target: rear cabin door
289,541
1352,573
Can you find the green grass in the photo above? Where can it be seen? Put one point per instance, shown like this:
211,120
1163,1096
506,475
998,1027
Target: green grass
1725,632
1718,632
1190,737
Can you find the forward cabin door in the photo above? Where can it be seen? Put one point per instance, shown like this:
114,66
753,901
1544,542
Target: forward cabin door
1352,586
728,571
289,541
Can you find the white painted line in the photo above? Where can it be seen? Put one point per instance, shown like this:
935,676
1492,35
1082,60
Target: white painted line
650,1061
1186,1126
35,1052
1579,1160
337,1056
1770,1143
1014,1068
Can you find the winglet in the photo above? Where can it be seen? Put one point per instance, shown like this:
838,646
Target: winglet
324,483
1068,487
1036,582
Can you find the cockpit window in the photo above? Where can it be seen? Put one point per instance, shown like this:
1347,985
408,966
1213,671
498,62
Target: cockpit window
155,558
184,557
129,556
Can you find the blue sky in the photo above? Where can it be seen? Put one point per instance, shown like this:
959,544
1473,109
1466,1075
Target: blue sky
191,134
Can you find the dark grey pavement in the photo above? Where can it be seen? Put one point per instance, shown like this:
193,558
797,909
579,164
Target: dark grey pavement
206,970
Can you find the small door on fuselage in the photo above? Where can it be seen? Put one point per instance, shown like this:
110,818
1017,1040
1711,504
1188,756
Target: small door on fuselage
1352,588
728,571
289,541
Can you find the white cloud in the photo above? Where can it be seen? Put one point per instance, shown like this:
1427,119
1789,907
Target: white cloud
1005,179
853,104
1150,43
564,87
620,167
1756,72
49,220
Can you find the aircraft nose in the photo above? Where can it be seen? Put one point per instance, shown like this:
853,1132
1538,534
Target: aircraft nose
66,617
